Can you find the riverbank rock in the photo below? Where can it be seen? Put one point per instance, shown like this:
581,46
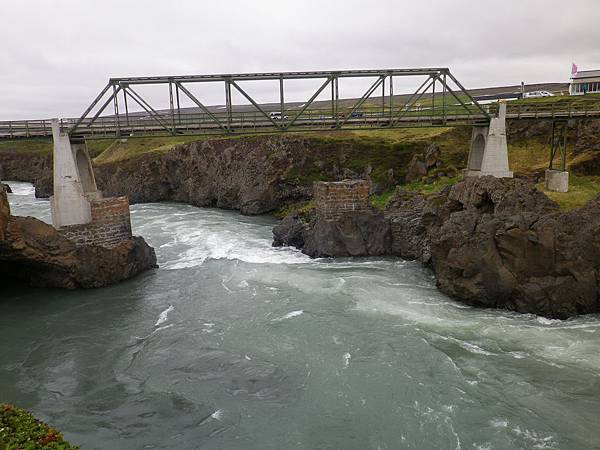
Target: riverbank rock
417,169
500,243
6,188
497,243
252,174
35,253
361,233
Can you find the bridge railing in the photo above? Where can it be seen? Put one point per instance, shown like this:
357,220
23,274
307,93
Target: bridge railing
569,107
25,128
165,122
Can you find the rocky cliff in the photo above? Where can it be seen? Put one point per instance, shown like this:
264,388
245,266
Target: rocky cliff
502,244
35,253
255,175
491,242
32,168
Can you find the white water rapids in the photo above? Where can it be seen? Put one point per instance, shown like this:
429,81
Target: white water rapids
233,344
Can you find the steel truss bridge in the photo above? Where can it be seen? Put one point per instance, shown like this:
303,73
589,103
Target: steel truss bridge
440,100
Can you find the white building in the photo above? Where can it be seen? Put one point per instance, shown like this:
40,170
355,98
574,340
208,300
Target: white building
585,81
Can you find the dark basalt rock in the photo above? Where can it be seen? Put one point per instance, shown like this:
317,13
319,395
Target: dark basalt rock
496,243
290,231
35,253
362,233
501,243
6,188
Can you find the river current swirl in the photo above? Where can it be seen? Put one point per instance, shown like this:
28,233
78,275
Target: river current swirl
233,344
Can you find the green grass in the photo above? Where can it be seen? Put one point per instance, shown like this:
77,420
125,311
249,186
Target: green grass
301,208
557,99
387,153
33,146
103,150
582,189
403,134
20,430
119,150
434,187
381,201
43,146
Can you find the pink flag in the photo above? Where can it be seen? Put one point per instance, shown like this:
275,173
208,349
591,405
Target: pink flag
573,69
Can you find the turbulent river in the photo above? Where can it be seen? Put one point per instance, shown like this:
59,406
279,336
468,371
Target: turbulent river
232,344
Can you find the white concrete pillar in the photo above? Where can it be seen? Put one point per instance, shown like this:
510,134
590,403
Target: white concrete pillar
489,148
557,180
74,182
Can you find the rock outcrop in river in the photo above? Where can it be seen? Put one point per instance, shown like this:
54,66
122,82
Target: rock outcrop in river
365,233
491,242
34,252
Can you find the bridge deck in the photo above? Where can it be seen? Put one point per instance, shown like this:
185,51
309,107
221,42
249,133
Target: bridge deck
254,122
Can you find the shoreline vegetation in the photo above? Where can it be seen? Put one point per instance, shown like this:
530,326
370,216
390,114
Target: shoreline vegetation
19,429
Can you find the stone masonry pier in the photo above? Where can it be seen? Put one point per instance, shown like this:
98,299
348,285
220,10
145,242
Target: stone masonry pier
334,199
110,224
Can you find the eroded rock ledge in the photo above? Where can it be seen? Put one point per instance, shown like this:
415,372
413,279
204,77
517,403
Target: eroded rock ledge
491,242
35,253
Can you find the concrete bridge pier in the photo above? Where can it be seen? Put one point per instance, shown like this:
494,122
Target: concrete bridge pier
74,181
489,149
79,211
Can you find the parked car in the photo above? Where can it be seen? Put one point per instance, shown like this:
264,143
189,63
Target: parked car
537,94
354,115
276,115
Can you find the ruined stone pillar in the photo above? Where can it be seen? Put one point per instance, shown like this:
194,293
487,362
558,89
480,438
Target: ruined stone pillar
334,199
489,149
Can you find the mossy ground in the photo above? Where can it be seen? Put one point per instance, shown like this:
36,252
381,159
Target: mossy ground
120,150
43,146
301,208
582,189
19,430
386,152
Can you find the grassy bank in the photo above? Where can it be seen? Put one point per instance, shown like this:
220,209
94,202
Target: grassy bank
582,189
43,146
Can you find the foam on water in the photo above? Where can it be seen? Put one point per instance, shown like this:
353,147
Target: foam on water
23,202
21,189
346,359
291,315
198,235
163,316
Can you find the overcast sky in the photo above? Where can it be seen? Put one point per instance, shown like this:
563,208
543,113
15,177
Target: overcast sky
58,54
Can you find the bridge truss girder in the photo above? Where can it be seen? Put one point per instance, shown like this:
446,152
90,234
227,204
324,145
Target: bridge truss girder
447,100
558,145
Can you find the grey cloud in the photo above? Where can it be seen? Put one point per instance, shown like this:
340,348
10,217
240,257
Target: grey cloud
58,54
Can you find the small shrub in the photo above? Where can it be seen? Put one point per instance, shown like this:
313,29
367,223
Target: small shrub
20,430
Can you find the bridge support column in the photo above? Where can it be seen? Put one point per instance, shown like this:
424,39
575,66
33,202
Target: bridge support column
489,149
557,180
74,182
79,211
